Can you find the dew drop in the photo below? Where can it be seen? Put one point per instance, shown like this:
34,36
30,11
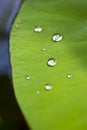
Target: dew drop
48,87
27,77
57,37
37,92
38,29
69,75
51,62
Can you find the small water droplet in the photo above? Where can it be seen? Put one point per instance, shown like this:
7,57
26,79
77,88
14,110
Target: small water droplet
43,49
51,62
38,29
27,77
48,87
37,92
57,37
69,75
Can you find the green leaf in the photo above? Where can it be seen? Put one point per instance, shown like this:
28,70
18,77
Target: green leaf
64,107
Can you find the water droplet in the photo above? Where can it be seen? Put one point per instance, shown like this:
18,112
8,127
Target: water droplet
28,77
38,29
51,62
48,87
57,37
37,92
69,75
43,49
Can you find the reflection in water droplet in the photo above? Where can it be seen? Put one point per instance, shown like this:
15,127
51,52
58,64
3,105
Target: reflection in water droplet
57,37
51,62
27,77
38,29
48,87
37,92
69,75
43,49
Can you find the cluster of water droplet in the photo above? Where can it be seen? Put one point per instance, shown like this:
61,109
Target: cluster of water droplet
57,37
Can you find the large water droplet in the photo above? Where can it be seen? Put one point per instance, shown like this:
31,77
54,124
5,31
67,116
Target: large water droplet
57,37
27,77
69,75
38,29
51,62
48,87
